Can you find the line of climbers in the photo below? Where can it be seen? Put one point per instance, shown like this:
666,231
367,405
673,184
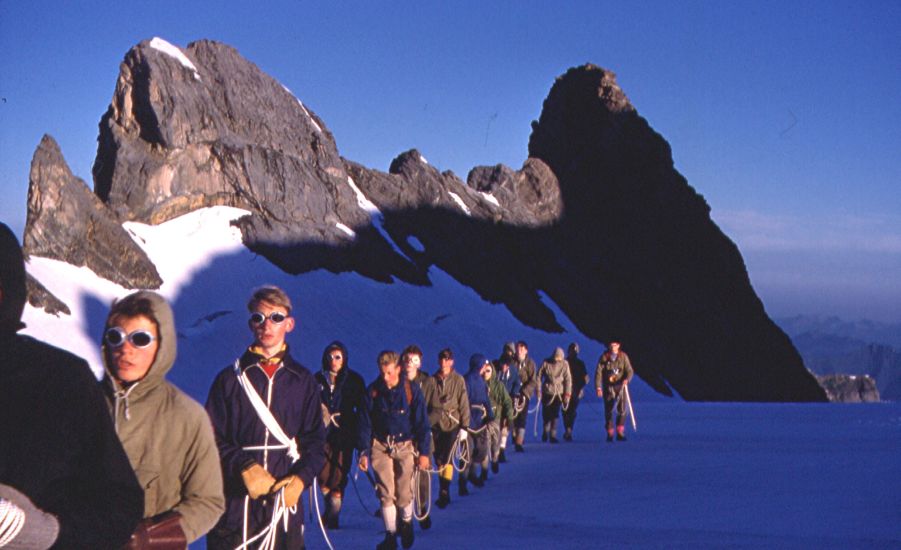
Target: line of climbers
73,476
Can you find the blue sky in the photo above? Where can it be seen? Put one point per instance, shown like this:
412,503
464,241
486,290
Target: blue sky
785,116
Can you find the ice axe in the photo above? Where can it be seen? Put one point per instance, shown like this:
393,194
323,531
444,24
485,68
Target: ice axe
629,403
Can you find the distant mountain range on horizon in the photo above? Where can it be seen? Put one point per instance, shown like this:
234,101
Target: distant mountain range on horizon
831,345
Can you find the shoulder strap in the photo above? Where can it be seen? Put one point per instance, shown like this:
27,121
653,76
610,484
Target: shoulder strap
265,414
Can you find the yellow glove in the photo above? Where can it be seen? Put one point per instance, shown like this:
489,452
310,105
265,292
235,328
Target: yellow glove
293,486
257,480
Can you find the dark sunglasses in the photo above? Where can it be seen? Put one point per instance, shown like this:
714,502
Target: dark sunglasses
115,337
276,317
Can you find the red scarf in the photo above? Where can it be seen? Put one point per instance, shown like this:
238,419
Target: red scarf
269,364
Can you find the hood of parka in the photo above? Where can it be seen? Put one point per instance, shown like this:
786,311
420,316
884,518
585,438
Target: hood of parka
476,362
326,360
165,353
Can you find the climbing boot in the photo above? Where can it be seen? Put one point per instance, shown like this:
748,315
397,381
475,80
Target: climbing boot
443,499
463,491
389,543
406,533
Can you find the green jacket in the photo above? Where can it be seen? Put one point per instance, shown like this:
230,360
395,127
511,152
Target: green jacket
611,374
446,401
501,404
168,438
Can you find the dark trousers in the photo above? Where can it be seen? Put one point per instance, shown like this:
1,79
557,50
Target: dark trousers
617,400
519,423
550,411
338,460
569,415
441,445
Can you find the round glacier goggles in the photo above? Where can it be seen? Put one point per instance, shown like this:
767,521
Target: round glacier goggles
115,337
277,317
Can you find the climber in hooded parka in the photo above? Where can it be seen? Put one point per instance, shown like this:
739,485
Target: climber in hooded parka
166,434
555,390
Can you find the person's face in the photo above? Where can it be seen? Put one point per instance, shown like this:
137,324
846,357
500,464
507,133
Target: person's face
614,347
446,365
128,362
335,360
521,352
486,372
390,374
412,366
268,334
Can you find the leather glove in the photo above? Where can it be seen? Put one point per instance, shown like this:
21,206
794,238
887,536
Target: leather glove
162,531
424,462
293,486
257,480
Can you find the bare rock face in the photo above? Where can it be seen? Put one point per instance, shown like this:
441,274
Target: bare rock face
40,297
67,222
645,264
530,196
850,388
203,127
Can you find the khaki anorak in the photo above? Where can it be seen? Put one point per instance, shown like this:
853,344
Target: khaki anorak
446,401
168,437
611,373
556,381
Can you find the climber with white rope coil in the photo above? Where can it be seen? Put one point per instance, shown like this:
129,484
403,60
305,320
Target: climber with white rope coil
267,419
480,416
448,409
394,438
507,374
555,391
502,406
528,377
342,391
411,363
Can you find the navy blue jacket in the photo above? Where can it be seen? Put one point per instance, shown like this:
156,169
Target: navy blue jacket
509,379
346,398
477,391
386,412
296,407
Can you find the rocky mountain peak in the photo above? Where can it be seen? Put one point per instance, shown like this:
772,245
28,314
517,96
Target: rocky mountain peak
67,222
203,126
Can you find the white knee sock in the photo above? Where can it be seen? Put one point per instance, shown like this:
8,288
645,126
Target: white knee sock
407,512
389,516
